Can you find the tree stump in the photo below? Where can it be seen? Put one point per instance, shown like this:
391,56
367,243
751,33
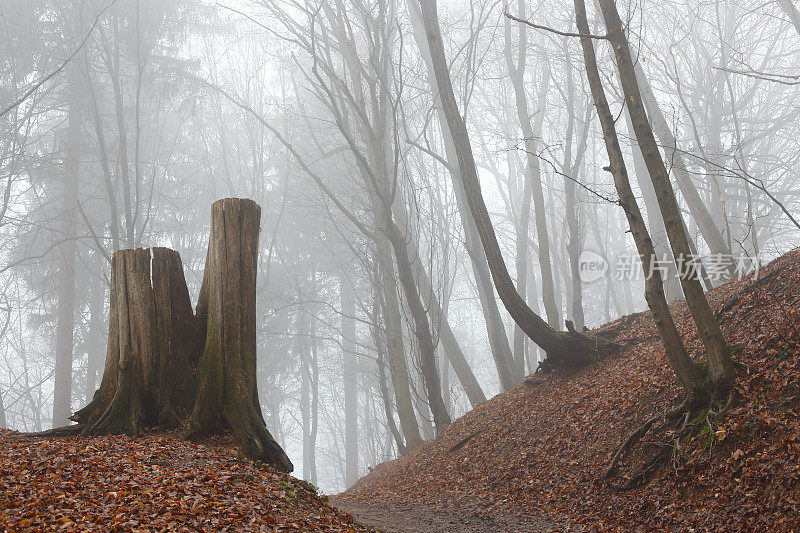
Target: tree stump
155,341
148,378
226,309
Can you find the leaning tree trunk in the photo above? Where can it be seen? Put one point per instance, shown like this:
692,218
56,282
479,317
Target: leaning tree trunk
226,311
148,378
570,348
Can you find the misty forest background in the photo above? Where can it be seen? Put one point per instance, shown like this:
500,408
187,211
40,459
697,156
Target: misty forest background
124,120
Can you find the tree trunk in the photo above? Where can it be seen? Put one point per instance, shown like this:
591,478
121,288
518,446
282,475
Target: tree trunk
697,207
96,337
687,371
656,224
148,378
350,382
430,374
529,134
226,311
3,422
721,370
572,348
381,360
439,320
62,387
396,351
498,340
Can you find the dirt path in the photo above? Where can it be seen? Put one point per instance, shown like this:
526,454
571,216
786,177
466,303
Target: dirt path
416,519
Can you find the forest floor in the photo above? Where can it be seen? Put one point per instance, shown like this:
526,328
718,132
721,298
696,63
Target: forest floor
531,459
420,518
156,482
541,450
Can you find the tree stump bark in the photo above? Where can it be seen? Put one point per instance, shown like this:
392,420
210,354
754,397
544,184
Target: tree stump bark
226,310
147,378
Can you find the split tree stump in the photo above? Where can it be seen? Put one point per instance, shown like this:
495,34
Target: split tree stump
148,379
155,339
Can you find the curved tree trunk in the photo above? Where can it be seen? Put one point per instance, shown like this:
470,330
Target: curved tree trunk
148,378
226,379
572,347
498,341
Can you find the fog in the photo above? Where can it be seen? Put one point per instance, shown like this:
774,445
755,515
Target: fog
123,121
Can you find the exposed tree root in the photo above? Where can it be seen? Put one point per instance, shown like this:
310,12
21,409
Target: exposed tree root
633,438
63,431
687,411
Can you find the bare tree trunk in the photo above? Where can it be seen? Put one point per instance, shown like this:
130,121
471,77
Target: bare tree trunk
301,352
656,224
569,348
721,370
529,136
430,374
572,205
711,234
3,422
95,347
440,323
62,392
382,381
350,380
397,358
687,371
314,371
226,311
498,340
113,71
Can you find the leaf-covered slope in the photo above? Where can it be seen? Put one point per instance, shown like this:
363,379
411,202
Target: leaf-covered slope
157,482
542,448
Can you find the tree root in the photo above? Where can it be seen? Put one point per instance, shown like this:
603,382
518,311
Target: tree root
688,410
63,431
637,434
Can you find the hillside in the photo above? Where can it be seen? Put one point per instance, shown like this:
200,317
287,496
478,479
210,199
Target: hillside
542,449
157,482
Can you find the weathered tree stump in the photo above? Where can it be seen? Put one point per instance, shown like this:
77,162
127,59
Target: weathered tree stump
155,341
147,378
226,310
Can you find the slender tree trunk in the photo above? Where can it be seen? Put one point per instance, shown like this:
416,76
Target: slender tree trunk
397,358
62,392
440,323
721,370
301,352
94,351
572,204
529,135
381,363
430,374
687,371
226,311
498,339
711,234
3,422
312,437
655,223
350,380
113,70
568,348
